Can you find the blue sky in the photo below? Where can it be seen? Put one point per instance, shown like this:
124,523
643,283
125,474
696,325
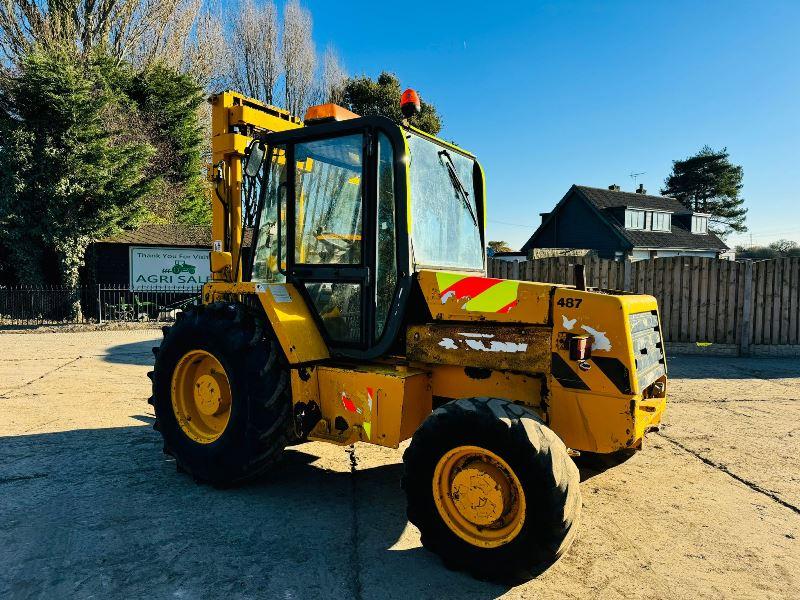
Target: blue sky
548,94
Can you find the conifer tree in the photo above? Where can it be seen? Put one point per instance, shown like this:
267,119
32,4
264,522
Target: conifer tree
708,182
68,176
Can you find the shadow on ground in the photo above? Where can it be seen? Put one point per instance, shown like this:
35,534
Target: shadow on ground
103,513
724,367
135,353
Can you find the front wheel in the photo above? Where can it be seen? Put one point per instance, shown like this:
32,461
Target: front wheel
491,489
221,394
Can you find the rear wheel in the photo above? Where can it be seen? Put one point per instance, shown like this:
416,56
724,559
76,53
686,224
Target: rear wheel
221,395
492,489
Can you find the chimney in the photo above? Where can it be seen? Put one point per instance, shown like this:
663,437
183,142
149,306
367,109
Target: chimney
640,189
544,216
614,187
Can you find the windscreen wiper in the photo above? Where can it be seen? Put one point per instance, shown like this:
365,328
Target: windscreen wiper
457,184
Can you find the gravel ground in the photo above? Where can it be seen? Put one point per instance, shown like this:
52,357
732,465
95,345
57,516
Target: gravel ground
90,507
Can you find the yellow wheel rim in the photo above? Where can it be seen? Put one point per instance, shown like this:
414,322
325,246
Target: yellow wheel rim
479,496
201,396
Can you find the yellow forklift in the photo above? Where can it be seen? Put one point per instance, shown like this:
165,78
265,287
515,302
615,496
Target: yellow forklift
349,303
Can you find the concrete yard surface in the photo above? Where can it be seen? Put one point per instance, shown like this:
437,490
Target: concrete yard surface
91,508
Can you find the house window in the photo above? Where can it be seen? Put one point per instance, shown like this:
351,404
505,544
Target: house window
699,224
661,221
634,219
649,220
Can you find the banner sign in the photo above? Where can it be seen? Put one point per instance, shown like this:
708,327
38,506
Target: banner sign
175,268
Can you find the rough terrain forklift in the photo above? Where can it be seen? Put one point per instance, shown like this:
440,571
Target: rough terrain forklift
349,303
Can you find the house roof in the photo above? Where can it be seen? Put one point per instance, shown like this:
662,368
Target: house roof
605,198
605,201
168,235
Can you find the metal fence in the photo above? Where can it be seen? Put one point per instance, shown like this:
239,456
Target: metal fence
56,305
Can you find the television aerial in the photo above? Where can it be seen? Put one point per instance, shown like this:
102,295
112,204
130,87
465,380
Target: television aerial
635,177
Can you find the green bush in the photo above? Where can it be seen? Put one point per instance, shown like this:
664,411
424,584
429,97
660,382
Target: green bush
89,146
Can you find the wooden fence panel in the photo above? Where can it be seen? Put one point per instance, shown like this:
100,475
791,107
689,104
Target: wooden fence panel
740,304
667,283
794,301
769,300
693,307
722,299
732,319
786,273
713,307
640,270
700,299
760,269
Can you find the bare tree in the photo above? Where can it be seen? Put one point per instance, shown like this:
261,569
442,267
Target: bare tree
299,57
23,22
334,77
255,53
82,24
209,57
180,33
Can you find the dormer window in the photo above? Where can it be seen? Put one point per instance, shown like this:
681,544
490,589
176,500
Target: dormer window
699,224
634,219
661,221
648,219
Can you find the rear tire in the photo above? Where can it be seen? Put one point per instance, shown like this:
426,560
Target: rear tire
540,466
259,426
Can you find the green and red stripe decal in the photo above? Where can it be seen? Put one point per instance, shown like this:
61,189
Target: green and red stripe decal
478,294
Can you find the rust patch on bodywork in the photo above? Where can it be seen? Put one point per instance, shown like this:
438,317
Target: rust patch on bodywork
487,346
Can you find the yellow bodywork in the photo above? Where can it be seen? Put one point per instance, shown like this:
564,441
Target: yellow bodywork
449,381
596,407
381,404
612,413
287,312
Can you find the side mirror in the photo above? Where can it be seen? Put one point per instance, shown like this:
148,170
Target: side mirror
254,157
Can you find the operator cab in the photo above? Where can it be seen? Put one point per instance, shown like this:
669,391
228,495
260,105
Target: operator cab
350,207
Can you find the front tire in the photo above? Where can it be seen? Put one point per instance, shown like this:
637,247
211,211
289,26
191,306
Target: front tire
491,489
221,395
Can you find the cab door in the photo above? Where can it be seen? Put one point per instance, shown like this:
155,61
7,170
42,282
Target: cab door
328,253
333,223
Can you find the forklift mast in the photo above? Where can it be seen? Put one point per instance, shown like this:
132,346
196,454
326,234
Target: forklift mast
235,119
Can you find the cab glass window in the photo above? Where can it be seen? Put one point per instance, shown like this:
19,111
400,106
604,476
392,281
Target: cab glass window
339,306
265,262
445,229
328,201
386,273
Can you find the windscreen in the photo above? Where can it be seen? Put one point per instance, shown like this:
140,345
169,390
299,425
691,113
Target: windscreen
445,226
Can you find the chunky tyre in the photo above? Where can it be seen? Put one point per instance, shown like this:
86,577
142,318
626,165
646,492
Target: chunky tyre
221,395
491,489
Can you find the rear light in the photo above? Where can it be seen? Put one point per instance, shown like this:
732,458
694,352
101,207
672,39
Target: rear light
579,348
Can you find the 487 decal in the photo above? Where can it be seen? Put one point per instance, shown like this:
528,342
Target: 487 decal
569,302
